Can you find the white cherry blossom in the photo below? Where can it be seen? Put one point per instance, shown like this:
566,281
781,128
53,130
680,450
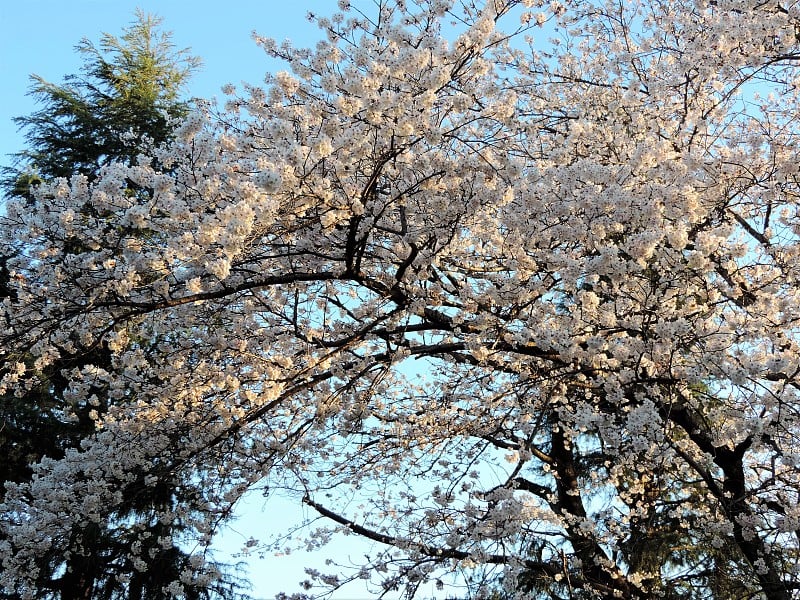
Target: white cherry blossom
523,309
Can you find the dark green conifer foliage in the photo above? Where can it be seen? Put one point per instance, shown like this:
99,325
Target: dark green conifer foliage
128,90
124,101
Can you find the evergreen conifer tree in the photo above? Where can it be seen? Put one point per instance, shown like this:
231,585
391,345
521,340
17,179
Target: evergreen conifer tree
122,103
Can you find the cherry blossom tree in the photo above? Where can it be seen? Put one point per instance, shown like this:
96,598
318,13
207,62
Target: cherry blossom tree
507,288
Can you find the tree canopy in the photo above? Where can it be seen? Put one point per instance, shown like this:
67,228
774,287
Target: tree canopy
509,288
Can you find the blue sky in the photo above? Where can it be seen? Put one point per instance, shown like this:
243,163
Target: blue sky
38,36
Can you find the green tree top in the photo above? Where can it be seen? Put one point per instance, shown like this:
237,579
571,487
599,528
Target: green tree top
129,87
